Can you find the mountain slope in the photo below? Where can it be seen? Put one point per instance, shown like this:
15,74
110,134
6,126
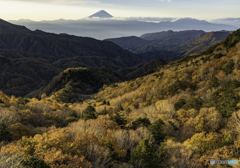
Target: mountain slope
170,45
6,26
201,44
39,56
75,84
182,115
187,34
128,42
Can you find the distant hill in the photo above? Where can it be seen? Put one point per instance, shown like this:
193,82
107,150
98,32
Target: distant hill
128,42
170,45
187,34
201,44
32,58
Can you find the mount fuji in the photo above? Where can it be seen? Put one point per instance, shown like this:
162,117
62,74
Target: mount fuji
101,14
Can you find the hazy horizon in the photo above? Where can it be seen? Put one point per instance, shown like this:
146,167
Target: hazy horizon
37,10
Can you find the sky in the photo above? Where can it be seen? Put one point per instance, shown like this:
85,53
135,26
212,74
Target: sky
76,9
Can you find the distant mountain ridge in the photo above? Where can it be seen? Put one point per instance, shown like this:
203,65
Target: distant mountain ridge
187,34
170,45
30,59
110,27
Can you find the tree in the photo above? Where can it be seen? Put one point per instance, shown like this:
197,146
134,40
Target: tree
104,102
144,155
157,130
89,113
213,82
225,99
229,67
195,103
179,104
33,161
5,134
120,120
141,122
18,131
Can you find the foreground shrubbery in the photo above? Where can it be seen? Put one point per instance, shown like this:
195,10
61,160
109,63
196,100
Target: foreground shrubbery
184,117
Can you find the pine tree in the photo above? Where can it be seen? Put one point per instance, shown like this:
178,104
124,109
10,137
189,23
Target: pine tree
120,120
140,122
144,154
157,130
89,113
5,134
104,102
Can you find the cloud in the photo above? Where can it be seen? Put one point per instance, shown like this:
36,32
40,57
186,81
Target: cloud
152,19
165,0
61,2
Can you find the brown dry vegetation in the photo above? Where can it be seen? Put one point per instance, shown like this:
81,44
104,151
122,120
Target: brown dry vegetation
174,114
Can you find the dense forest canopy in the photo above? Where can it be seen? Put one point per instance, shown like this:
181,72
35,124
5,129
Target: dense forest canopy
182,115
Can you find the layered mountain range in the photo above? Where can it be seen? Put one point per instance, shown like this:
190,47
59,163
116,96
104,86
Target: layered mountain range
30,59
102,25
170,45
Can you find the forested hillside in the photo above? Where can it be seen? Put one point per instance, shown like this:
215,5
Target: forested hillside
30,59
182,115
170,45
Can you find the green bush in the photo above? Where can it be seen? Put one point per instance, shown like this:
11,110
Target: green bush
128,110
74,114
219,55
173,125
139,122
179,104
229,67
206,59
19,130
209,51
177,85
213,82
89,113
145,155
114,155
119,108
5,134
157,130
149,102
195,103
34,161
23,101
72,119
227,140
225,99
